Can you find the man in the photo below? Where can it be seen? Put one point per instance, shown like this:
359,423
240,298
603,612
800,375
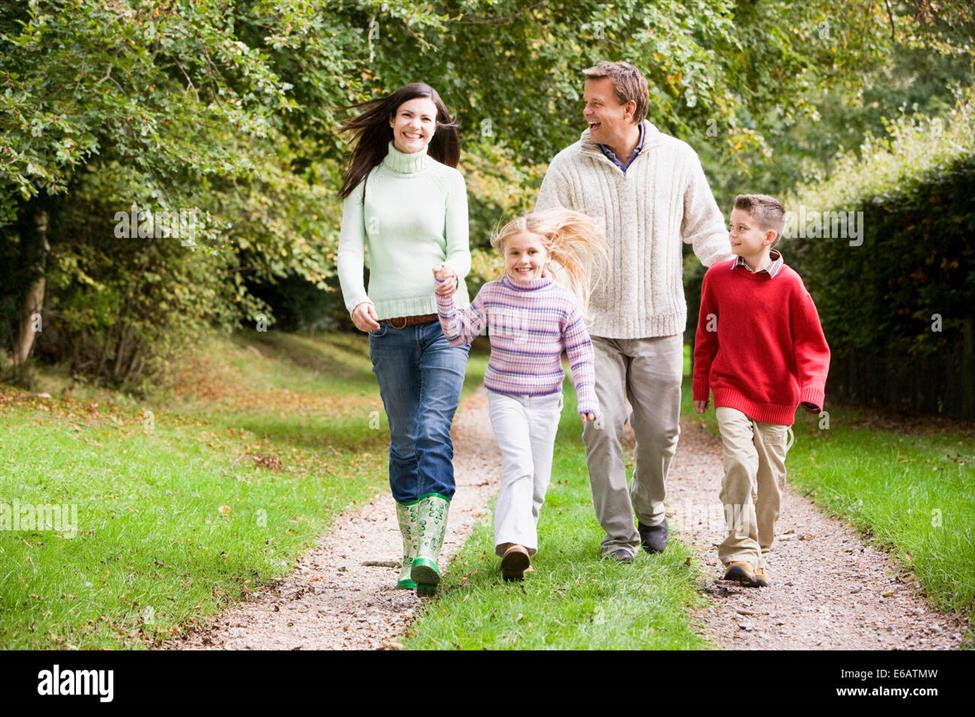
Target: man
649,193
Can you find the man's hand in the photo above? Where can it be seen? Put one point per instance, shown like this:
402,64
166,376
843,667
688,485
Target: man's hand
701,406
364,317
447,278
810,407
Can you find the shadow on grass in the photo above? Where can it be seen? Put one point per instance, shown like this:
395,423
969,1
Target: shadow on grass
336,356
350,434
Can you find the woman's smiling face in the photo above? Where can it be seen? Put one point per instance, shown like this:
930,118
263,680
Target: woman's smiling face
414,124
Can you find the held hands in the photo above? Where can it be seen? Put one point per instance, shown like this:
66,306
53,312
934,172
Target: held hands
701,406
447,280
364,317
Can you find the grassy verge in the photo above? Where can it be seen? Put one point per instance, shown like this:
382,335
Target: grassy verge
908,485
573,600
186,503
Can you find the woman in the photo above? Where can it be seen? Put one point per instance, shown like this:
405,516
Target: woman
406,202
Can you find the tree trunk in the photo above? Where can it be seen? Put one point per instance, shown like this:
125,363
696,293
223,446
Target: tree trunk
36,248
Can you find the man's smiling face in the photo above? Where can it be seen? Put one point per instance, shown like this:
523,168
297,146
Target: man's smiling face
608,118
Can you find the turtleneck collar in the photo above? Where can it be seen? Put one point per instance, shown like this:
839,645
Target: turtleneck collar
403,163
522,285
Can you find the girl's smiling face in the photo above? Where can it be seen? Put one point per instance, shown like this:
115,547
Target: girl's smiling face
525,256
414,124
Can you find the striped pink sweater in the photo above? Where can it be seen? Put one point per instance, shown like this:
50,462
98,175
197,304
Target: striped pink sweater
529,325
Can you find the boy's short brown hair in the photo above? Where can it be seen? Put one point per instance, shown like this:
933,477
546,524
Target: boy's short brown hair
628,83
767,211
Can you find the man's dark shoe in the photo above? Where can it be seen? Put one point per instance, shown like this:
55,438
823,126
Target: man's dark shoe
620,555
653,538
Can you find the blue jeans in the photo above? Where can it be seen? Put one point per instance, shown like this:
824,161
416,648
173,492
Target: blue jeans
420,377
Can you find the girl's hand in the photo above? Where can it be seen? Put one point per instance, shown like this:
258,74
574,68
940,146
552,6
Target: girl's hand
364,317
447,281
587,417
701,406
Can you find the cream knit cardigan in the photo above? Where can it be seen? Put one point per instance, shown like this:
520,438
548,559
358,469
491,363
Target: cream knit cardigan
661,200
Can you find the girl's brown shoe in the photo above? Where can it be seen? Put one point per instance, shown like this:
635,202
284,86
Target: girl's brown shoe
515,562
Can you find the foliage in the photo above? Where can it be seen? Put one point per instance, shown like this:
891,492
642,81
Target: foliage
231,109
897,309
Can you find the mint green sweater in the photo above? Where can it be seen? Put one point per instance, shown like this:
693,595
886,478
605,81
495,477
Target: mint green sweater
413,218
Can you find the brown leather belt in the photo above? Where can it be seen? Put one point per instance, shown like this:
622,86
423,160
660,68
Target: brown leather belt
401,322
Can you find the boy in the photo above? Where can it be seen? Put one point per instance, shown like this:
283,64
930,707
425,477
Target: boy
760,348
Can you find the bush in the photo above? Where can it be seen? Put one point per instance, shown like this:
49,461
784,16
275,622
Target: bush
898,310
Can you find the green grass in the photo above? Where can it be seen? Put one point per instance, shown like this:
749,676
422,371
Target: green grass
573,600
177,517
906,485
234,476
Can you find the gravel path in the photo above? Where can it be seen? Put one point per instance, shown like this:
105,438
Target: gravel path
341,594
827,589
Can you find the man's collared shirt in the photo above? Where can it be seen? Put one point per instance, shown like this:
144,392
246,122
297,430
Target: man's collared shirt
611,156
772,269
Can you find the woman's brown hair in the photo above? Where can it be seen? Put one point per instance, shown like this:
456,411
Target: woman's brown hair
373,134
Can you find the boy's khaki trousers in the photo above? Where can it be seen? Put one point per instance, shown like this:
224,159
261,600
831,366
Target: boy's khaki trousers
751,492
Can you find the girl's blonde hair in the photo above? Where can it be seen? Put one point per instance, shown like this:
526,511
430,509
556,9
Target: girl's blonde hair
573,241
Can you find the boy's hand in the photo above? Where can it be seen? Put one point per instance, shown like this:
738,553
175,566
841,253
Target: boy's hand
447,281
587,417
701,406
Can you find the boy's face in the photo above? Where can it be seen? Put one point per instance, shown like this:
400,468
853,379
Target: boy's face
748,240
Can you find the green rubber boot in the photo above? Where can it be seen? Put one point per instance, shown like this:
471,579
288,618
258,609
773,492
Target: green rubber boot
408,515
433,525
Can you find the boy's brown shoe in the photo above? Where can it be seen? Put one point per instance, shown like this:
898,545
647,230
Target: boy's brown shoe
742,573
514,562
761,577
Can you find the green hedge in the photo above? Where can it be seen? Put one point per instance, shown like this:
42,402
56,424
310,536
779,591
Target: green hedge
899,309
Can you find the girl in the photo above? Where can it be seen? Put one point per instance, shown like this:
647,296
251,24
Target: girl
530,320
406,203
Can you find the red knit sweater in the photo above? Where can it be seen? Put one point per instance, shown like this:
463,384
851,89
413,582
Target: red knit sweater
769,353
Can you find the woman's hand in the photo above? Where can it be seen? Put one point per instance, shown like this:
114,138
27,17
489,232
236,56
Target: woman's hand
701,406
364,317
587,417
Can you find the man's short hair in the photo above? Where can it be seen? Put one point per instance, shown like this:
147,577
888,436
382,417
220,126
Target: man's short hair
767,211
628,83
